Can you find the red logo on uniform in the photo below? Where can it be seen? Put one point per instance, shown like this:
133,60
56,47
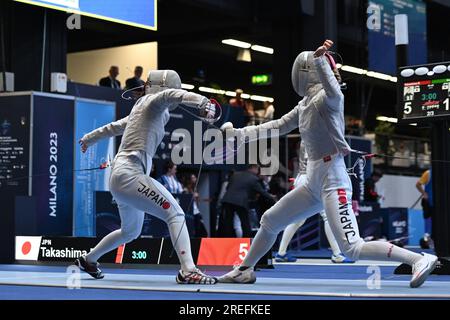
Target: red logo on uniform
342,196
327,158
166,205
26,247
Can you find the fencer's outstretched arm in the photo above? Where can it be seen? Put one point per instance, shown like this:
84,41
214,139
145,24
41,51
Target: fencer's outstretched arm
326,75
112,129
284,125
171,98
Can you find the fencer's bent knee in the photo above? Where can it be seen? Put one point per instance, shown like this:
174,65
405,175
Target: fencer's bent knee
129,234
269,223
175,217
352,250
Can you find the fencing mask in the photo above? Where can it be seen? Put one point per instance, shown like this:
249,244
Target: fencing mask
304,74
160,80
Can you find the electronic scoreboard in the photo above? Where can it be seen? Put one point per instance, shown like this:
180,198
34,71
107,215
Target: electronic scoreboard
423,92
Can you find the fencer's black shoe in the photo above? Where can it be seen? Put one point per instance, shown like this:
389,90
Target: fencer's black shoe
195,277
90,268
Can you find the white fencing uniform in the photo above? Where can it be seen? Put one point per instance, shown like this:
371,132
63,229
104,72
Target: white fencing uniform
320,119
134,191
291,229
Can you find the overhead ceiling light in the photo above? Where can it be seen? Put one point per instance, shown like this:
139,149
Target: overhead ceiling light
261,98
246,45
211,90
233,94
244,55
388,119
262,49
237,43
354,69
187,86
372,74
393,120
381,76
378,75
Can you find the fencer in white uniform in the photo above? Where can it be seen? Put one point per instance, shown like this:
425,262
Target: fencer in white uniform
282,254
130,184
320,119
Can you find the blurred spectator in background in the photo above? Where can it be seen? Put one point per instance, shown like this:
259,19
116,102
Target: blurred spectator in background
424,186
190,183
237,101
265,114
249,113
265,182
269,111
262,203
111,80
424,155
403,155
241,187
294,161
223,190
136,81
249,109
169,179
354,126
279,185
370,190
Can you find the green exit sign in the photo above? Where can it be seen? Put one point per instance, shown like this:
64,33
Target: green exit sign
262,79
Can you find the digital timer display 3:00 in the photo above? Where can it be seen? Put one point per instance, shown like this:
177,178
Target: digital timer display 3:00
139,255
429,96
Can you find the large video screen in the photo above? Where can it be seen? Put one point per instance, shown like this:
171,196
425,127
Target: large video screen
382,40
137,13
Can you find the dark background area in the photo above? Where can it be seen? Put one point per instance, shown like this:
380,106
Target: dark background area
189,40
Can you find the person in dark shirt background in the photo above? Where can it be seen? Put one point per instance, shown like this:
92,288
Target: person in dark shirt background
170,180
237,101
370,193
425,186
241,187
135,81
111,80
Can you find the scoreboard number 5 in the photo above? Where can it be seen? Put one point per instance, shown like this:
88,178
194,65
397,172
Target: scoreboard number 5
243,250
407,107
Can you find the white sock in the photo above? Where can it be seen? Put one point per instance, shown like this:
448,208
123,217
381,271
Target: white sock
263,242
288,234
379,250
108,243
183,243
331,239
